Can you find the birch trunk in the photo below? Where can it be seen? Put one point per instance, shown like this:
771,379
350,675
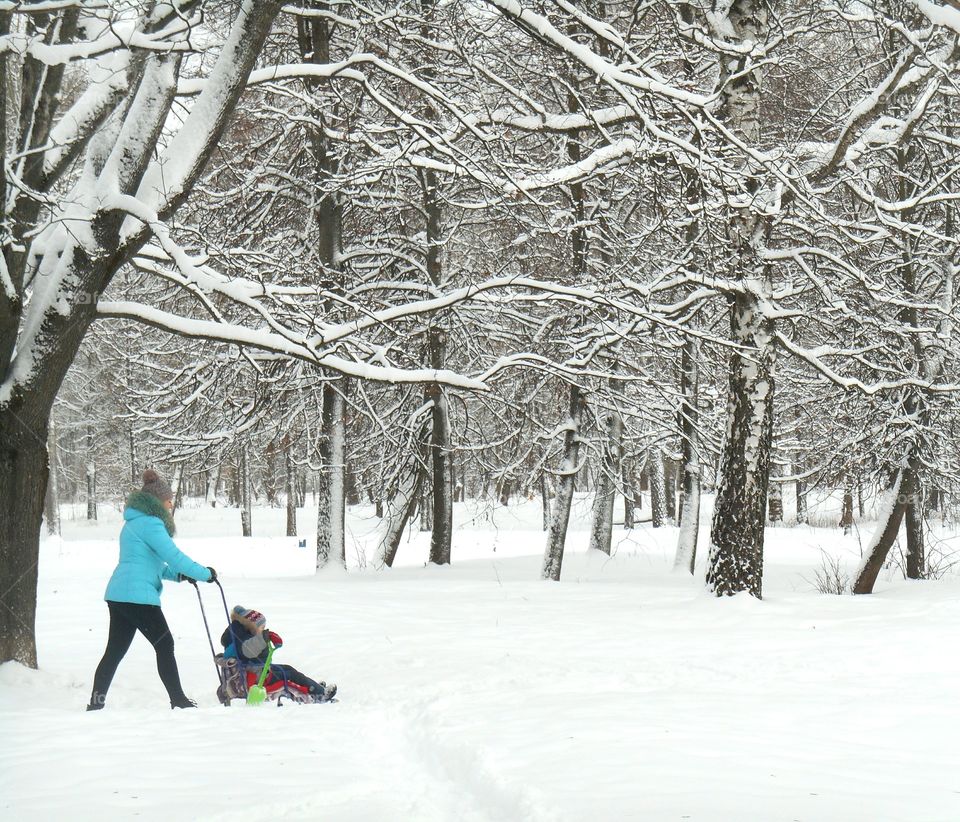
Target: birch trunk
686,556
90,474
735,562
570,465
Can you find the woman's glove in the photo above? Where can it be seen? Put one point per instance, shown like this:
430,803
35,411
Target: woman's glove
213,574
274,638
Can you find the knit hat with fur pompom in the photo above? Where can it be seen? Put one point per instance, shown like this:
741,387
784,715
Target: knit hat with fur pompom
153,484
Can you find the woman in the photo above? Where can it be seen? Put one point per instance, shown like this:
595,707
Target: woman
147,556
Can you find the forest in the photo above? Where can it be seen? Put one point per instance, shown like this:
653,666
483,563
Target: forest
412,253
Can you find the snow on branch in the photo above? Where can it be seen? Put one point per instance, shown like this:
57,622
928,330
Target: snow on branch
948,16
264,340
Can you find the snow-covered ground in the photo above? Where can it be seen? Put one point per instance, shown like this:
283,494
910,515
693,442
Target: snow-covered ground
479,692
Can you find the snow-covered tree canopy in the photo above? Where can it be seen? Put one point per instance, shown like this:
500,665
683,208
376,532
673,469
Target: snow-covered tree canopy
529,234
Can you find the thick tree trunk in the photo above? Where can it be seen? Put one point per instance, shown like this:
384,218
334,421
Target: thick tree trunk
23,481
658,489
601,533
569,466
686,556
735,563
898,498
331,485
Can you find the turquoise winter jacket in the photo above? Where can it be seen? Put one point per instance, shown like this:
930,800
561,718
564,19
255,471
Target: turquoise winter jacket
147,556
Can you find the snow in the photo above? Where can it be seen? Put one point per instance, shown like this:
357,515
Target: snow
940,15
478,692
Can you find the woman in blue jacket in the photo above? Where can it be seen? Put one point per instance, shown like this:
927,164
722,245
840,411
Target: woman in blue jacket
148,555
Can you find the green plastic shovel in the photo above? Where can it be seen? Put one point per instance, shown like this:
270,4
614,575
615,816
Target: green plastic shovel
258,694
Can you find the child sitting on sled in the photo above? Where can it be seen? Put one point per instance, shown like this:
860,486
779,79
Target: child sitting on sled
246,639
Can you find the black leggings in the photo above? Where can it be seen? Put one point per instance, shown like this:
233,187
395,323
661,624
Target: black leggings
126,618
291,674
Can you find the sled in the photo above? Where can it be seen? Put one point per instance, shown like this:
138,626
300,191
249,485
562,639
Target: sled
237,681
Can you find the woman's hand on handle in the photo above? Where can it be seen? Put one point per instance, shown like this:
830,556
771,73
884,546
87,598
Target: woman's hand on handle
213,574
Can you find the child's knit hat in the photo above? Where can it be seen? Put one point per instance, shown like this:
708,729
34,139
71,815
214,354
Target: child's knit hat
253,618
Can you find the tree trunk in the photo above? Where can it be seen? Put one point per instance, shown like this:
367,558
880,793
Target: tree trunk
735,563
246,506
545,499
213,480
658,490
669,489
686,556
801,492
898,498
52,501
398,513
441,463
601,534
504,490
91,476
291,490
23,481
775,502
331,485
629,503
176,485
134,464
570,465
916,560
846,514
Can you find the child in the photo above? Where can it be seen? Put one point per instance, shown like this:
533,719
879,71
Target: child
248,631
